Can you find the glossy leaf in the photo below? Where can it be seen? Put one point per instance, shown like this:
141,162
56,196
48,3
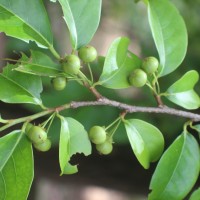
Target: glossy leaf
169,34
16,166
64,151
195,195
182,93
146,141
118,65
26,20
82,18
177,170
79,141
17,87
39,64
73,139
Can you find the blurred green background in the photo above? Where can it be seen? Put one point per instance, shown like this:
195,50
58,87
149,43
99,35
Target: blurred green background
119,171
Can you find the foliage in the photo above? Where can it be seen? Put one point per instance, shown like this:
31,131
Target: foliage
22,83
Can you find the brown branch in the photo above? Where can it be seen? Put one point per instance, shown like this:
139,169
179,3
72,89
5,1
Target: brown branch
105,102
133,109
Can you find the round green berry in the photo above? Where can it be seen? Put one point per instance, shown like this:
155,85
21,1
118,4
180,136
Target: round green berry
59,83
28,127
44,146
138,78
37,135
87,54
150,65
71,64
97,135
104,148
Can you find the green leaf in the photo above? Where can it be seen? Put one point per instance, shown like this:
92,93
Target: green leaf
16,166
119,63
17,87
26,20
169,33
182,93
64,151
146,141
177,170
39,64
73,139
82,18
70,169
195,195
197,127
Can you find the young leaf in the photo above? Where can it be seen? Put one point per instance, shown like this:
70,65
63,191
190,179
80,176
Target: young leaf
195,195
16,166
39,64
26,20
73,139
17,87
169,33
177,170
118,65
82,18
146,141
182,93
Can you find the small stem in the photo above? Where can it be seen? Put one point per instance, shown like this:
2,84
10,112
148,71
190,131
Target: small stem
96,93
51,122
54,52
188,123
157,87
149,85
110,125
95,84
13,122
91,74
159,101
47,121
85,79
114,129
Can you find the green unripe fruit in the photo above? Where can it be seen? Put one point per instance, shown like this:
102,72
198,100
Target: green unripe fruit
72,64
138,78
45,146
37,135
28,127
150,65
87,54
104,148
59,83
97,135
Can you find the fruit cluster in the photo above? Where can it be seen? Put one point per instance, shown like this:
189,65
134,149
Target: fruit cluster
138,78
71,65
38,137
98,136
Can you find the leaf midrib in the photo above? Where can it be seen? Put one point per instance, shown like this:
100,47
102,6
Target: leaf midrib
39,65
177,164
117,71
12,150
160,29
31,95
35,30
67,4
